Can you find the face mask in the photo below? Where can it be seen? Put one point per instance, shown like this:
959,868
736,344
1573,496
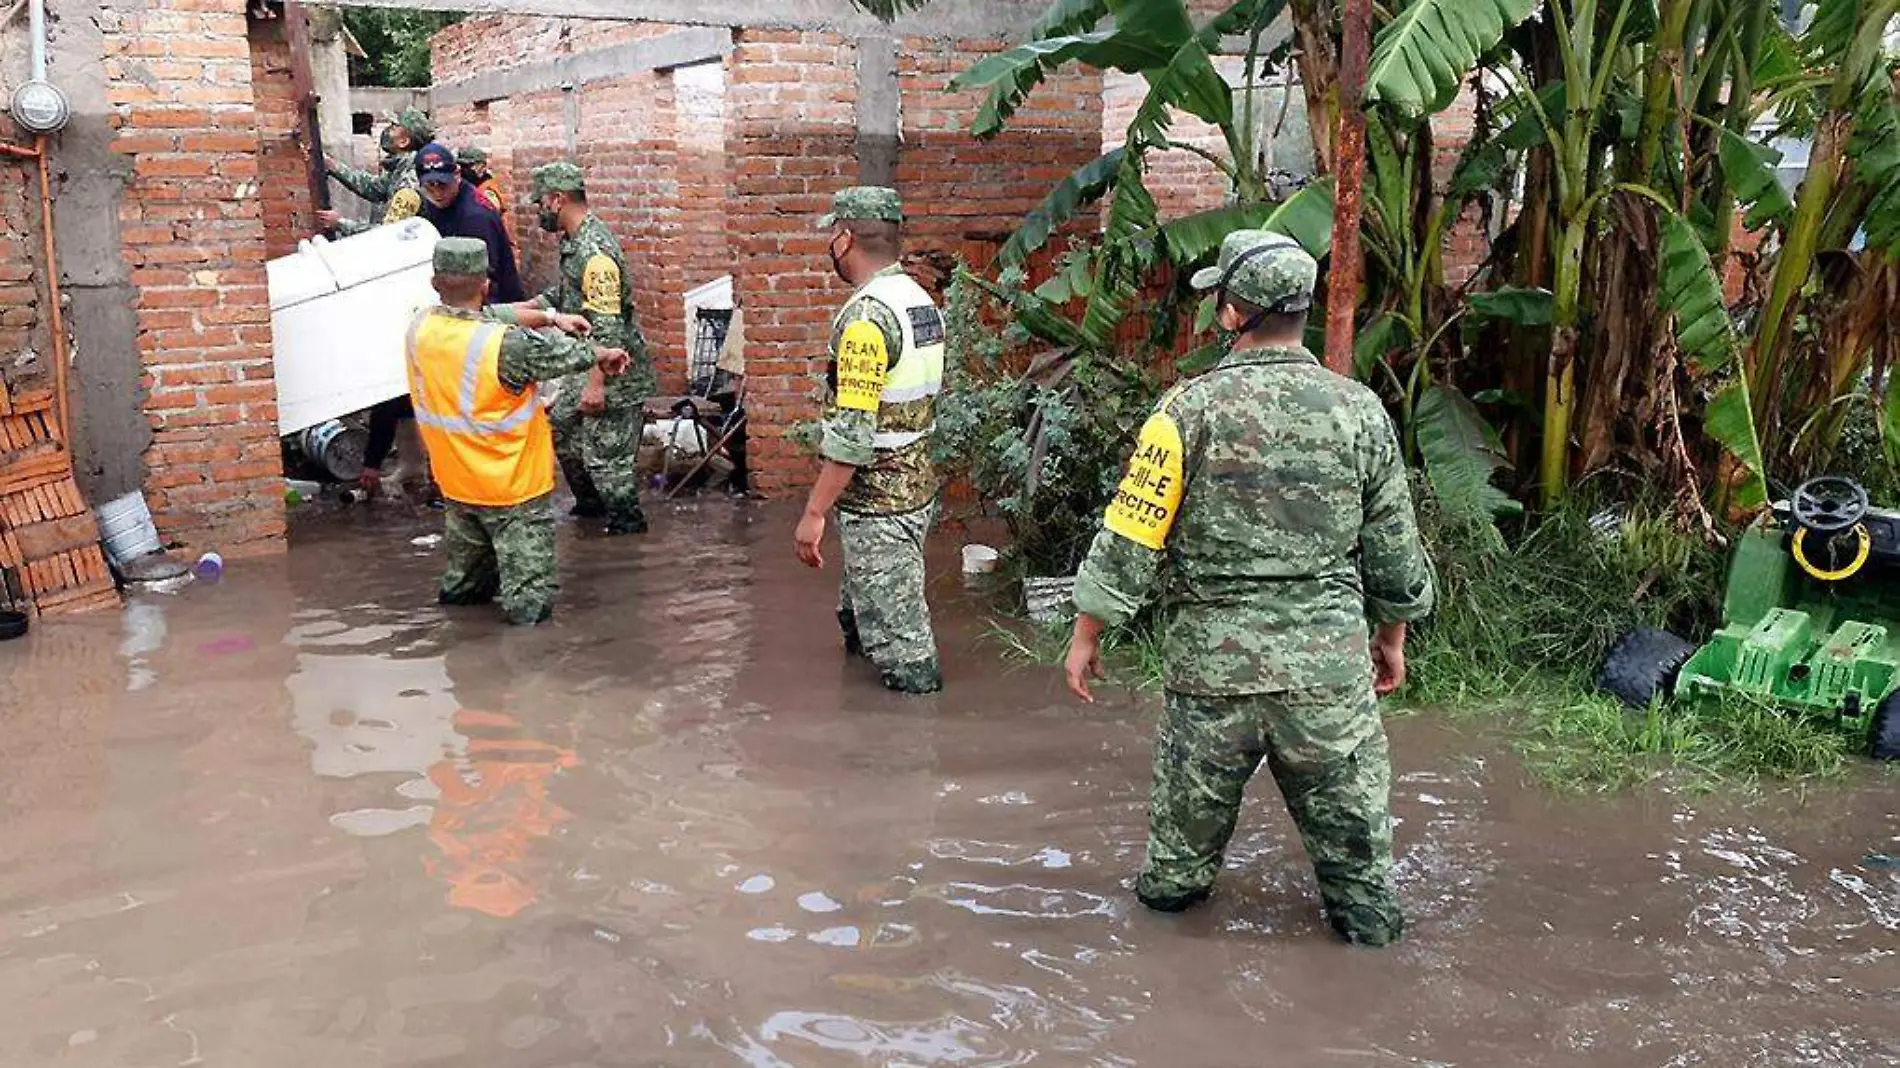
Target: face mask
550,219
469,175
837,261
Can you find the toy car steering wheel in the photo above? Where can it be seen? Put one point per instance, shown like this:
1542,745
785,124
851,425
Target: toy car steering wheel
1829,504
1826,506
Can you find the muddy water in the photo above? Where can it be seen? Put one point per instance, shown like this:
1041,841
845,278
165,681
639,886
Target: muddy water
303,817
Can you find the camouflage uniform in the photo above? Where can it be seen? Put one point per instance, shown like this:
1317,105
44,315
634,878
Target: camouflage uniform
395,187
506,551
881,426
598,453
1269,501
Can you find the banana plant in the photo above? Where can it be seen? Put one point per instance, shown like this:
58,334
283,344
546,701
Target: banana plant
1161,41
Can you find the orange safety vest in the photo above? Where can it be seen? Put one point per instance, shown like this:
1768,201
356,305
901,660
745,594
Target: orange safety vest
486,446
491,193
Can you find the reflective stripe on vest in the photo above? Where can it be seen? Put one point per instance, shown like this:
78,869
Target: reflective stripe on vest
906,406
487,445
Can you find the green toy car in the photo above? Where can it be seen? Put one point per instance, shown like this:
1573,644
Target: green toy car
1810,620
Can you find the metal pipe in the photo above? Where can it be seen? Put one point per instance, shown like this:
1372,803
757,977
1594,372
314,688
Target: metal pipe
36,31
52,290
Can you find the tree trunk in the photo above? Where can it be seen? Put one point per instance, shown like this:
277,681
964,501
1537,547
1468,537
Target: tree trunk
1560,384
1318,59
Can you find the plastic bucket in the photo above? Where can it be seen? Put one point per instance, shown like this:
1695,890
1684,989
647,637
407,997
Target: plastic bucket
337,449
979,559
125,525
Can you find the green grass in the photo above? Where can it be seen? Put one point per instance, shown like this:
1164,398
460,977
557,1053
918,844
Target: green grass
1516,640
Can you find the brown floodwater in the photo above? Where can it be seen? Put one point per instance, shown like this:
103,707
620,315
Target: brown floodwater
304,817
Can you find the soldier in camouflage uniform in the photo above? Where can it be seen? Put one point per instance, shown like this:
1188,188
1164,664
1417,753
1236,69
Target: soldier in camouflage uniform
473,161
885,373
472,373
596,422
394,188
1268,500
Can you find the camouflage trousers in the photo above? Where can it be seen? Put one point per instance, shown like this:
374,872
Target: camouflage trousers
881,602
506,551
1326,748
599,454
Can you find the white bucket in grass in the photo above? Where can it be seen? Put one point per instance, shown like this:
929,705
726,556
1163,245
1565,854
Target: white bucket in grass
125,525
979,559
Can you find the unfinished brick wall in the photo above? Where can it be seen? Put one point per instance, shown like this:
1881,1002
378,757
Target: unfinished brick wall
655,179
282,163
724,169
179,77
966,196
1181,182
792,135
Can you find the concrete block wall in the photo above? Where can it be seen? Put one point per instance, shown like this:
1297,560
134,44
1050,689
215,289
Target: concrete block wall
179,77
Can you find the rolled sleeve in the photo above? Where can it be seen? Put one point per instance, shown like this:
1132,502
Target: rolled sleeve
530,356
848,437
1116,579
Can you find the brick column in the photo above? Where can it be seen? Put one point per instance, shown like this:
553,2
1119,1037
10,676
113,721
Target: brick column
792,134
180,82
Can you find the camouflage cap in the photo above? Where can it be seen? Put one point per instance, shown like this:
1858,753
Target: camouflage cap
472,154
1265,269
465,256
416,121
558,177
873,202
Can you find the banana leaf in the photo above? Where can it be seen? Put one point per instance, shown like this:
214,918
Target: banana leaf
1688,289
1086,186
1421,57
1306,217
1519,305
1462,455
1749,169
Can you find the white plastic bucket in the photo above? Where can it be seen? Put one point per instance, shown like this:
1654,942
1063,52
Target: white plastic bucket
125,525
979,559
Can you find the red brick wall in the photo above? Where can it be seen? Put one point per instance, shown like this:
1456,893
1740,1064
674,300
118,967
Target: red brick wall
792,135
702,177
283,168
179,78
1182,183
963,195
657,183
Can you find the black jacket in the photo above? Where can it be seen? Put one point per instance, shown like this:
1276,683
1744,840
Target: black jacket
469,217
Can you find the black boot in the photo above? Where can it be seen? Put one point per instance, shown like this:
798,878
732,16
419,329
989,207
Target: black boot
920,678
1366,925
1174,902
634,522
588,508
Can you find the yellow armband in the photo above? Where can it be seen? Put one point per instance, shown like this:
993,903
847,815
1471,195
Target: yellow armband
1149,496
